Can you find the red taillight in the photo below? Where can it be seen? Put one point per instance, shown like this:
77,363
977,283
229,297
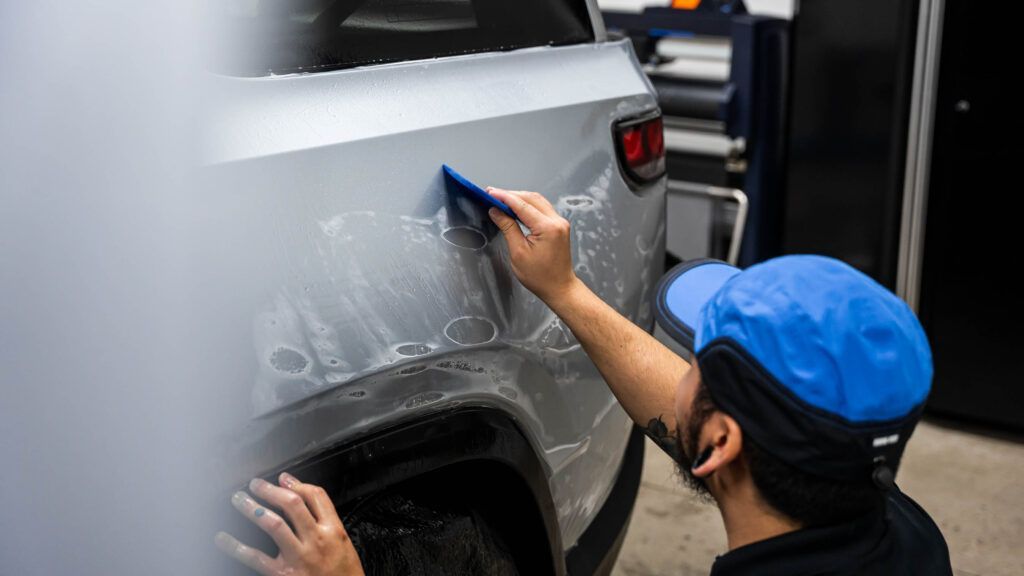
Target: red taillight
633,146
641,147
655,136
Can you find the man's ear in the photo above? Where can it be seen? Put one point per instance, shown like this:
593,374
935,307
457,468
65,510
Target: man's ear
723,436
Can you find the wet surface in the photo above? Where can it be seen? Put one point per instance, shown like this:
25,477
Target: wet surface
350,319
399,297
357,320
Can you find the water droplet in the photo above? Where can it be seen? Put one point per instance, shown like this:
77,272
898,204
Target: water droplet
470,330
465,237
460,365
423,399
288,360
412,370
413,349
507,392
579,201
643,246
557,337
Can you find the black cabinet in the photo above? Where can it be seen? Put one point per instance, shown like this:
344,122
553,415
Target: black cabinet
971,277
852,77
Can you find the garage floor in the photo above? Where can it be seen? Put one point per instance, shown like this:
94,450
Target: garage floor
971,484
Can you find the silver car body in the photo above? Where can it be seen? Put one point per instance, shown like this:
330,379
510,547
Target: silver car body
364,294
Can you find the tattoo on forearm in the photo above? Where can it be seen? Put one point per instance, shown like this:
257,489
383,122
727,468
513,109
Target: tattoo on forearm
665,439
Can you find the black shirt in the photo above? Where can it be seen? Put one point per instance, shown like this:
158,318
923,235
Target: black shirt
901,540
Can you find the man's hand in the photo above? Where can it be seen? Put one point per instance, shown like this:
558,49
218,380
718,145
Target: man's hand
542,261
641,372
319,545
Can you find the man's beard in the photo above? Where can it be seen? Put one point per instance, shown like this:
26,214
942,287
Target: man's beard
686,444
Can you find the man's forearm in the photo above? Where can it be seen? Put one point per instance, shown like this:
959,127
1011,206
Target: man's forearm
641,372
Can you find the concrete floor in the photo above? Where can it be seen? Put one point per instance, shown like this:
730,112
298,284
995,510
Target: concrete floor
972,485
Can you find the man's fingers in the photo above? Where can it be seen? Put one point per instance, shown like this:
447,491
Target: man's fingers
267,520
314,496
526,212
288,502
247,555
509,228
538,201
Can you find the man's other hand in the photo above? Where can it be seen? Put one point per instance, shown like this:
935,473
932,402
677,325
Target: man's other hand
318,545
541,260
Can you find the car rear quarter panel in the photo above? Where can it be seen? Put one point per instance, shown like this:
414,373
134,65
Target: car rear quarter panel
355,292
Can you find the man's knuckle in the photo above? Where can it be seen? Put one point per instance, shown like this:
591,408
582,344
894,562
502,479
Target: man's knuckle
337,532
272,521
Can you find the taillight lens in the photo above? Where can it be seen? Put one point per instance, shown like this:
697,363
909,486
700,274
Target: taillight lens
641,148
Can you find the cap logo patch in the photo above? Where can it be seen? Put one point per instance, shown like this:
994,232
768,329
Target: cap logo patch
885,440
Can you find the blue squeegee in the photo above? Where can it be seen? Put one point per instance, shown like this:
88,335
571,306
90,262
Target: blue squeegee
475,192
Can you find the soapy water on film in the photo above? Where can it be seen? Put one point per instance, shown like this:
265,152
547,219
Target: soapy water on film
386,289
394,313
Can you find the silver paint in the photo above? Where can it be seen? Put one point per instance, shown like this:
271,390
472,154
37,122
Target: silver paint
374,296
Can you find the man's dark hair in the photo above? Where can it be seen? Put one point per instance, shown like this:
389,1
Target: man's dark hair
810,500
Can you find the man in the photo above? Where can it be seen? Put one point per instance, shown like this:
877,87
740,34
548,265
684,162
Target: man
808,379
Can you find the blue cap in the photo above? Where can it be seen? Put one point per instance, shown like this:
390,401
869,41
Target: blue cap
822,366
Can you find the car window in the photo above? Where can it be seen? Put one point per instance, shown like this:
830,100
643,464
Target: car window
287,36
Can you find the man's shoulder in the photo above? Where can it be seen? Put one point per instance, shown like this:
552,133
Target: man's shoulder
903,508
901,539
917,534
